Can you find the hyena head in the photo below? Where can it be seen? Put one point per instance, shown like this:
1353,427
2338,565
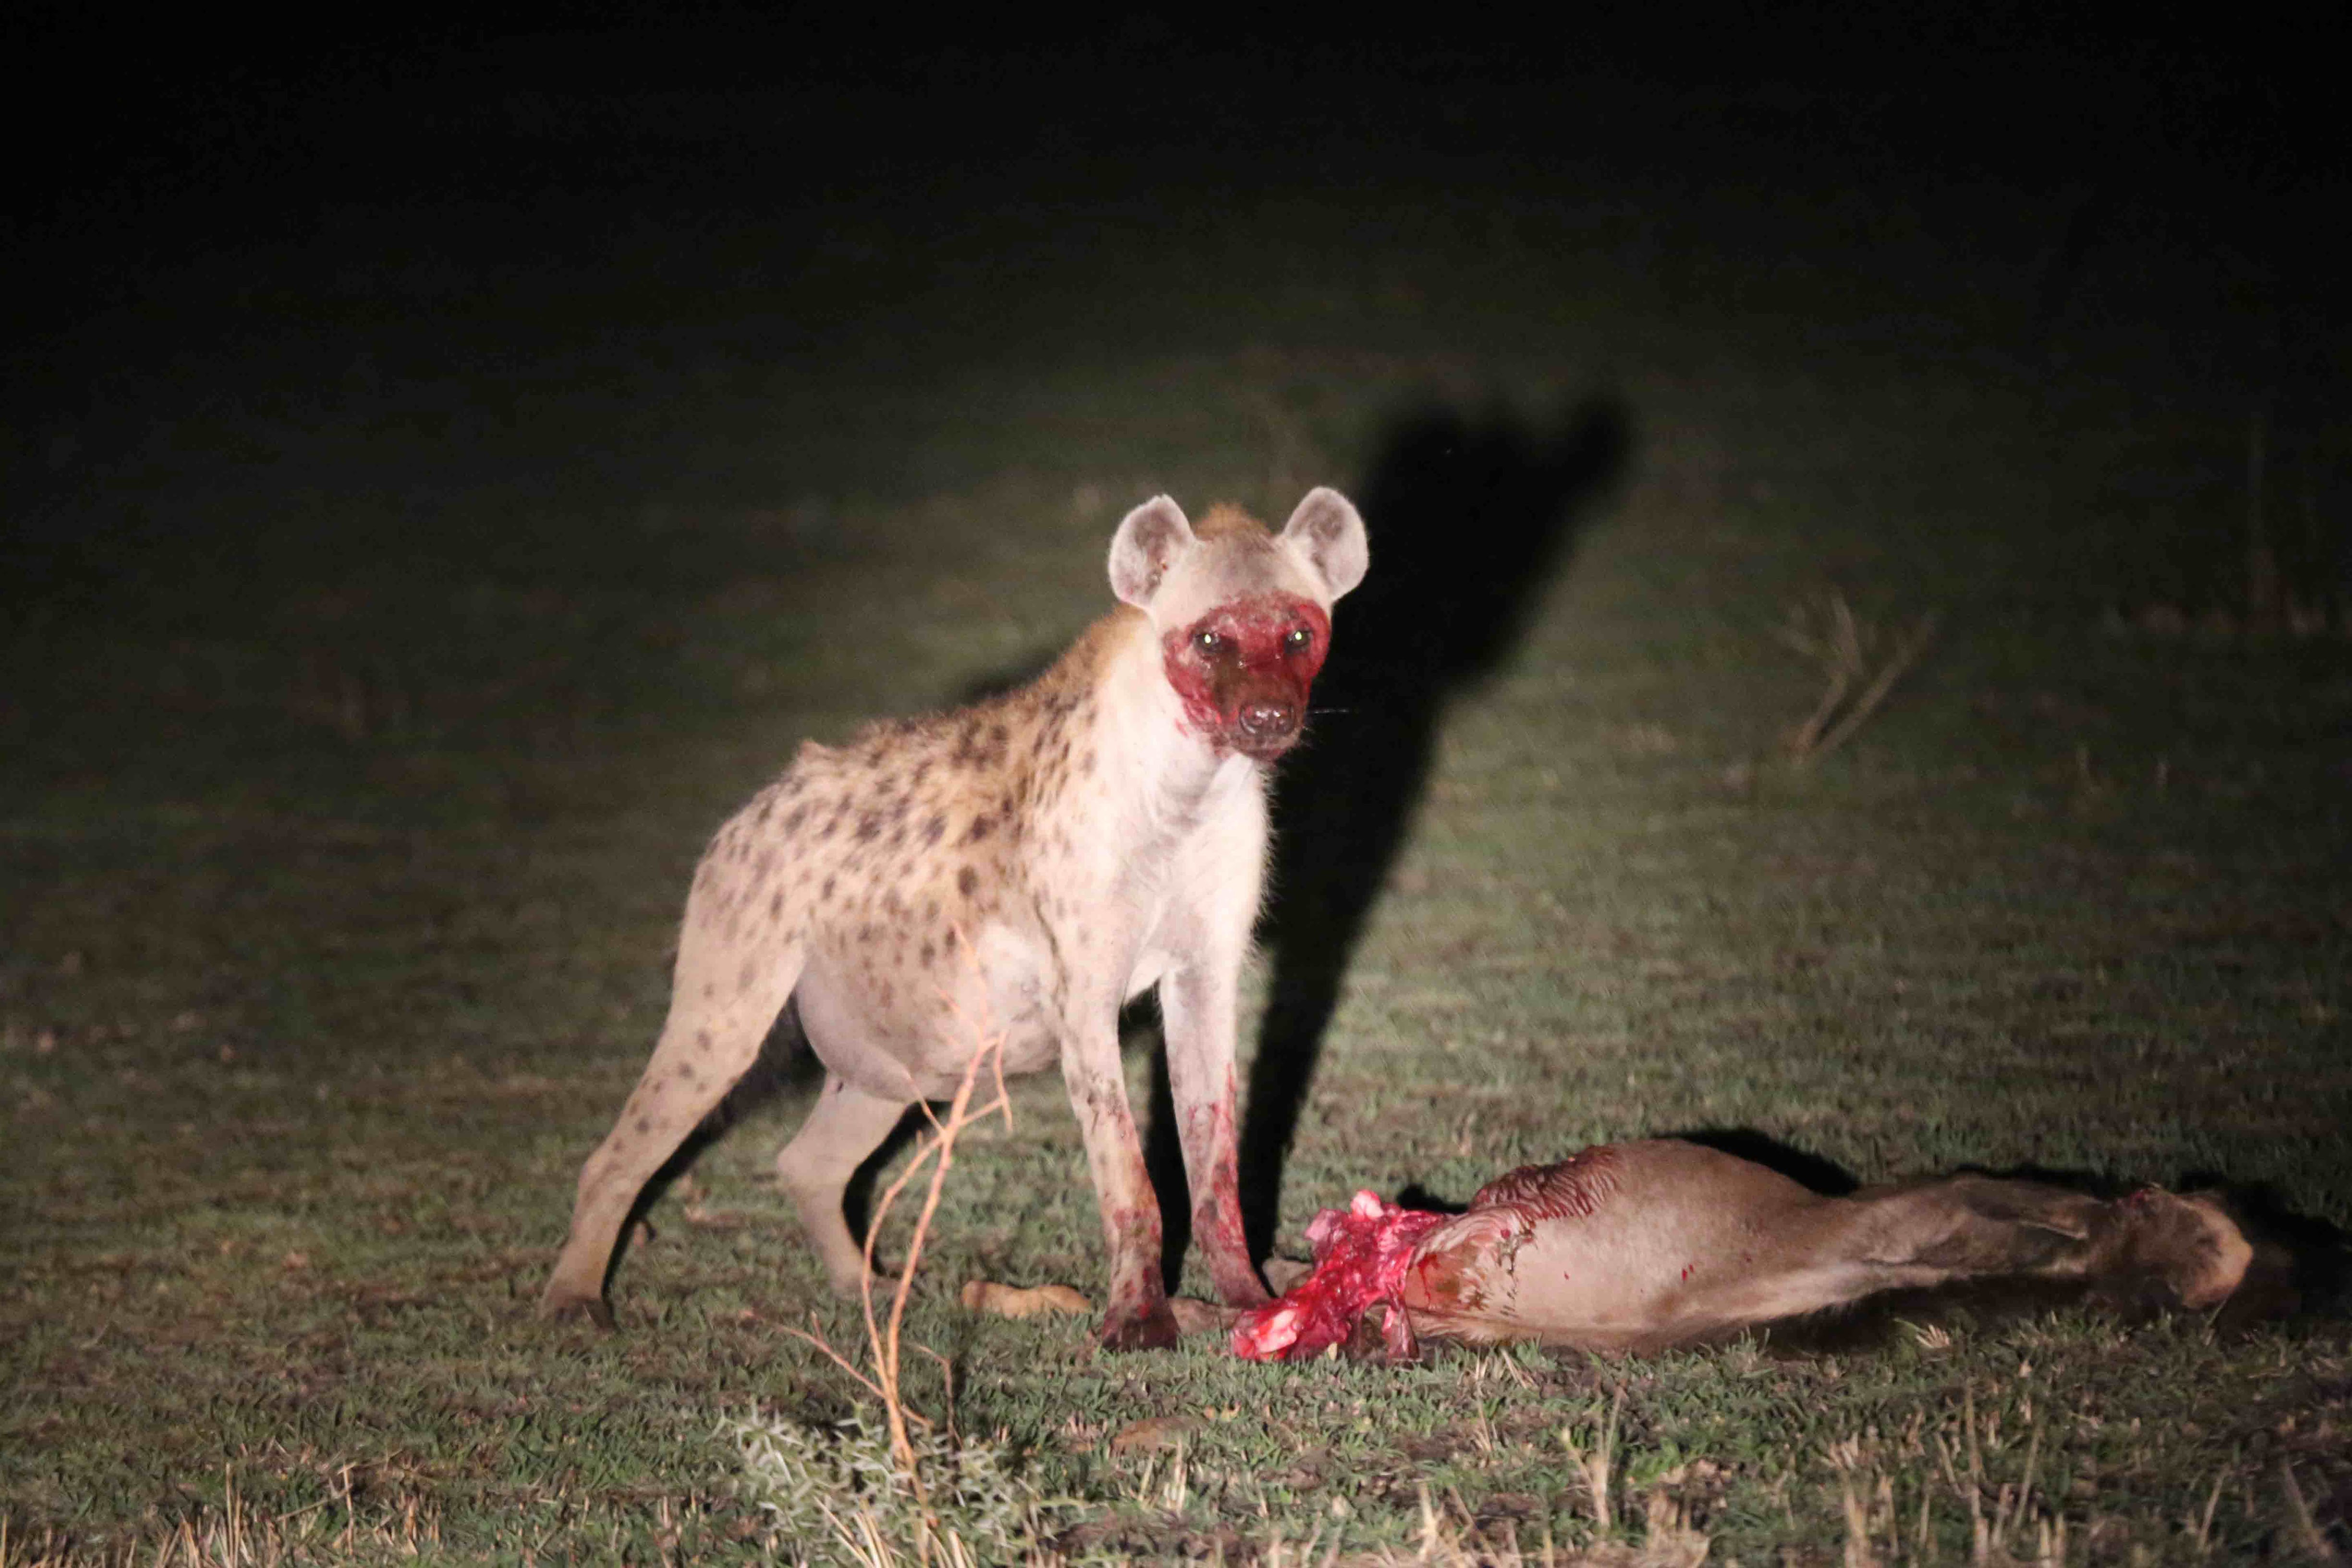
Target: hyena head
1244,615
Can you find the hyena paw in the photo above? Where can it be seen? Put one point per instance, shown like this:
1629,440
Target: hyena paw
1152,1328
1201,1317
566,1305
1244,1291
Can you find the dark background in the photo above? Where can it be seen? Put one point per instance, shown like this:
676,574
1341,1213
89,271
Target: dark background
205,197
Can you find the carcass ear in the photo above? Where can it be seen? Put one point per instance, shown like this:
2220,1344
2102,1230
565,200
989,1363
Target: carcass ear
1147,544
1328,532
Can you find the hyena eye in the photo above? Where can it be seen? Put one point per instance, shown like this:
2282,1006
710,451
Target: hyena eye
1297,639
1207,641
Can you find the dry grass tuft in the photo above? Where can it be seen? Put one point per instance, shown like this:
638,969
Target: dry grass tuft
1860,662
236,1535
914,1490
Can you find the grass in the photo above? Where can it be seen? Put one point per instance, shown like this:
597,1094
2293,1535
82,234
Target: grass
345,818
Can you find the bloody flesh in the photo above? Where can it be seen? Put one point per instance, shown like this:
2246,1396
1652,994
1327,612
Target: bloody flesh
1360,1256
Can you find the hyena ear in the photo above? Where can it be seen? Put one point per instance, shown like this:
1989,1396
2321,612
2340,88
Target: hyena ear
1146,546
1328,532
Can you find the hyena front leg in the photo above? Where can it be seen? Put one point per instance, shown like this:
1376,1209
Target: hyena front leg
1138,1317
724,996
843,1128
1196,1012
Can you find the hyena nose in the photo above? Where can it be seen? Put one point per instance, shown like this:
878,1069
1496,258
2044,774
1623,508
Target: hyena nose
1264,718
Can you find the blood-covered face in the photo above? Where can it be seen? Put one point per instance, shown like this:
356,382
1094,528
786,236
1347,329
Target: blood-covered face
1244,671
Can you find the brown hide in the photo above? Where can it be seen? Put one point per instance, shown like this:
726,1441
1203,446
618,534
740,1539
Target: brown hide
1643,1245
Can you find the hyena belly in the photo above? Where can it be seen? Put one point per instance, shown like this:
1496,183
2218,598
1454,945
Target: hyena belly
889,1037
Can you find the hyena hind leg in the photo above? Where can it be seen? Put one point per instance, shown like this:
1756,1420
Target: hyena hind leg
700,1054
846,1125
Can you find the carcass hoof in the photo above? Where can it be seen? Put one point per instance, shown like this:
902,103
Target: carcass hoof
563,1307
1154,1330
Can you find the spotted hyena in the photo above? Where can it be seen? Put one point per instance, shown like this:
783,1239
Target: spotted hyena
1093,835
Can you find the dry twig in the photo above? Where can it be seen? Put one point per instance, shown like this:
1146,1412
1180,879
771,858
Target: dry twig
882,1336
1859,674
